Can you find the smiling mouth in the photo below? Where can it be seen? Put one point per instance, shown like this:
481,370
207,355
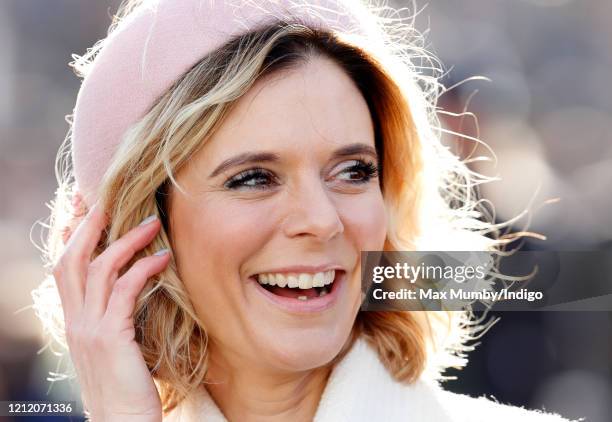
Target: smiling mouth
302,286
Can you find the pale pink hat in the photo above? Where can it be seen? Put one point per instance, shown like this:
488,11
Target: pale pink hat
154,46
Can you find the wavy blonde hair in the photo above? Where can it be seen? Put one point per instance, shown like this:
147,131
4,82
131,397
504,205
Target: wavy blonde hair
428,192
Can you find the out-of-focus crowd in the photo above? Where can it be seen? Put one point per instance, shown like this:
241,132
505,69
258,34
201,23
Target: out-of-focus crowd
546,114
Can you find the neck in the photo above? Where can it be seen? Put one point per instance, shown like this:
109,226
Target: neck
244,392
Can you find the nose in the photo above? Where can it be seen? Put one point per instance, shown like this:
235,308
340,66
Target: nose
312,213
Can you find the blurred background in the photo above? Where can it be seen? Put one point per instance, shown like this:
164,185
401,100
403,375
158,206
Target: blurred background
546,114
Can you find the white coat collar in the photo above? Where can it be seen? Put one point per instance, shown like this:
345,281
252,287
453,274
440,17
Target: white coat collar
359,389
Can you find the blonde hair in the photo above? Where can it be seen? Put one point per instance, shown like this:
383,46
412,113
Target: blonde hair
428,193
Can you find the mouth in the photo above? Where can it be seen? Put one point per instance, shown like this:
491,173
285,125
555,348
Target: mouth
302,286
301,292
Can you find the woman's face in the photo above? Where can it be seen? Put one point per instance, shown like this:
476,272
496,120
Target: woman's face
282,188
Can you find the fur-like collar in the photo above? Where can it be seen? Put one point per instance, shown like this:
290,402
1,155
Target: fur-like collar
361,389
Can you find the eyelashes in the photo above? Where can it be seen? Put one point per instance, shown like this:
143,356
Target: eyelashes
250,178
261,179
368,170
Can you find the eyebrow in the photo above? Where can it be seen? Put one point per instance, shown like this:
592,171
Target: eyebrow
262,157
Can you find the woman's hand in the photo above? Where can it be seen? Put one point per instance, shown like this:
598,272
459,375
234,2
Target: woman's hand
98,313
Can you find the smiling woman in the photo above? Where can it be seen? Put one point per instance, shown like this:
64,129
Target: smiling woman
267,157
292,187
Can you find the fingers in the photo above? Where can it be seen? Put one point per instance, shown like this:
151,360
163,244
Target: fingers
104,270
70,272
127,288
79,209
98,310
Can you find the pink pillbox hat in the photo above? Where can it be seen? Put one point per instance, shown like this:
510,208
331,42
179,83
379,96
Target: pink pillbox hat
155,45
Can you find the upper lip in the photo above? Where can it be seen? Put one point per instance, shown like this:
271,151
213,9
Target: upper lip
303,269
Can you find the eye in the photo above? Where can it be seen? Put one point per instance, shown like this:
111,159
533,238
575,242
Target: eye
359,172
256,178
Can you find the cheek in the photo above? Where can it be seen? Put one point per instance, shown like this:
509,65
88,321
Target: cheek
213,240
226,232
235,224
365,220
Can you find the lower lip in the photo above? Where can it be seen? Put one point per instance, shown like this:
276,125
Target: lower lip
298,306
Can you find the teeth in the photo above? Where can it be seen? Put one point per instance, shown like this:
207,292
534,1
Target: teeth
318,280
302,297
281,281
304,281
292,281
299,280
329,277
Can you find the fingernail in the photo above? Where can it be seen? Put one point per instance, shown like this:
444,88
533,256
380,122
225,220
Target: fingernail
148,220
162,252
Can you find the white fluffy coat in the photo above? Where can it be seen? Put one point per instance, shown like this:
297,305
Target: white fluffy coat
360,389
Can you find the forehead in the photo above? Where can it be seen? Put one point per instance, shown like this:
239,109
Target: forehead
312,108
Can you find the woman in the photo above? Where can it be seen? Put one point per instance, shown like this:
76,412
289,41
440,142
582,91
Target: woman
261,146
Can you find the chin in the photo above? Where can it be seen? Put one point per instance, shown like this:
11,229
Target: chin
292,337
305,348
305,355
